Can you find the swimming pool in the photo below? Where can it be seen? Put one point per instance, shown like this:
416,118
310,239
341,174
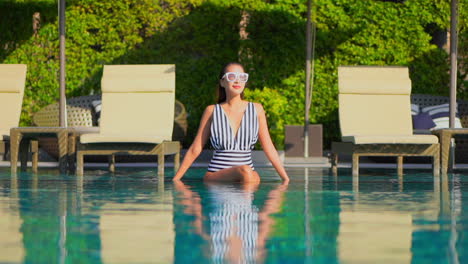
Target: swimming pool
133,217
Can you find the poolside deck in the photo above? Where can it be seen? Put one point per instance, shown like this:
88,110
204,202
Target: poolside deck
259,160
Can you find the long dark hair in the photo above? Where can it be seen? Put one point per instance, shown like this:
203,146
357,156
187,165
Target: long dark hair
220,91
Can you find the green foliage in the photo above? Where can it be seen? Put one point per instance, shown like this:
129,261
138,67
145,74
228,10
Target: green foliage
16,22
463,50
98,33
199,36
429,73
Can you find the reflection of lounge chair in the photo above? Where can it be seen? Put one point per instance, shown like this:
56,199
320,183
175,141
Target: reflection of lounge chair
137,115
375,117
12,81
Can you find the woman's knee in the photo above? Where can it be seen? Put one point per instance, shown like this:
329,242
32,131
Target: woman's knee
248,175
245,170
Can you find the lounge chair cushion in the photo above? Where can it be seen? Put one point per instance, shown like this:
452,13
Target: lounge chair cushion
13,78
392,139
4,133
414,109
138,78
423,121
374,80
121,138
138,100
440,114
97,105
374,100
137,113
11,106
375,114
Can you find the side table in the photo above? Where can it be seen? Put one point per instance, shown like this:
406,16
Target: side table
73,136
445,137
20,138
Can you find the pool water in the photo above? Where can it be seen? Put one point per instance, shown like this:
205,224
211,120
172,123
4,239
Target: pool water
132,216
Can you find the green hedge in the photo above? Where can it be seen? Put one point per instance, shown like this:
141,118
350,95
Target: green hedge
201,35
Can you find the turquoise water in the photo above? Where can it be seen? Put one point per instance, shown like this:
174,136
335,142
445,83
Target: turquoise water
134,217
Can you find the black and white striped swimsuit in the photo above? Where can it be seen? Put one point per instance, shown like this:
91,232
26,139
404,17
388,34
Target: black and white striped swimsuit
233,150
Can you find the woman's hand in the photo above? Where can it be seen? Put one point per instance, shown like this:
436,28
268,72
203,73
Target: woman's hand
176,179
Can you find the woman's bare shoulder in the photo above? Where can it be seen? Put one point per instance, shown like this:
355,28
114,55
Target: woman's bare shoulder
209,109
259,107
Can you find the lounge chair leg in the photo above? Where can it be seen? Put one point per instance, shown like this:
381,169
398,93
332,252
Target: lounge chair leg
334,164
176,161
3,149
436,164
35,154
355,166
400,165
161,164
72,151
79,163
24,152
112,163
62,139
15,139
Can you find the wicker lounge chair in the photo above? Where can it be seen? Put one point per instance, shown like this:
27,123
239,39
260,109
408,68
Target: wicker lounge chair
79,113
137,115
375,117
12,81
81,116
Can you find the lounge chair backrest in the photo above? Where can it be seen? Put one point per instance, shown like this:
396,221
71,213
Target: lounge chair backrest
374,100
138,100
12,81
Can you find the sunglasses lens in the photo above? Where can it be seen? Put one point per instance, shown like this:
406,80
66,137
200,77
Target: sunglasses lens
231,77
243,77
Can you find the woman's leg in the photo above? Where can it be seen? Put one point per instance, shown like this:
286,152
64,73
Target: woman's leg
242,173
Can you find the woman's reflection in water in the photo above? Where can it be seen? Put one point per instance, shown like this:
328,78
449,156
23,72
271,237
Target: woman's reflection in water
237,228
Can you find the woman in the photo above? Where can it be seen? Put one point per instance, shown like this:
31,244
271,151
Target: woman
233,127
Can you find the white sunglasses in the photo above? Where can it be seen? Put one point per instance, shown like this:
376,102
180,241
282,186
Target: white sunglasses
233,76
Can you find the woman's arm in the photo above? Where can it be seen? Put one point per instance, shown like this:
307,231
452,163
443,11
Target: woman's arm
267,144
197,145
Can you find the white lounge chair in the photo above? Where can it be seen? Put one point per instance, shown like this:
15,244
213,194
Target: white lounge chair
137,115
375,117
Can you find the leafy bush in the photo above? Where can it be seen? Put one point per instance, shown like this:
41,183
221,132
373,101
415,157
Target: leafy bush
199,36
